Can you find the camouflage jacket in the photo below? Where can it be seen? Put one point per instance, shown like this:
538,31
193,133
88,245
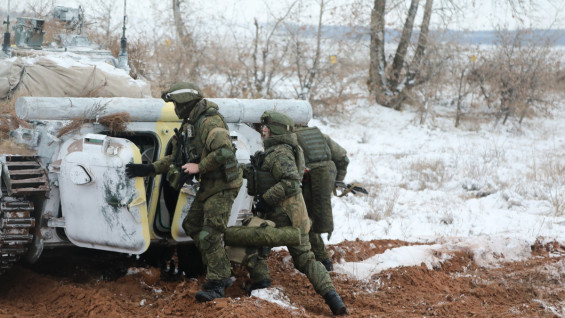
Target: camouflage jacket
212,146
286,194
339,157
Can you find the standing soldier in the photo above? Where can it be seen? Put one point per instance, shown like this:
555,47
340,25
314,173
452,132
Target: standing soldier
326,162
282,164
205,147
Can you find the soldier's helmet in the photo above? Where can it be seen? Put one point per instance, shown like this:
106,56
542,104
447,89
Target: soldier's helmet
182,92
278,123
185,95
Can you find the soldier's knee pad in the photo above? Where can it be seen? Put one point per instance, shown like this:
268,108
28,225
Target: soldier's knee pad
208,239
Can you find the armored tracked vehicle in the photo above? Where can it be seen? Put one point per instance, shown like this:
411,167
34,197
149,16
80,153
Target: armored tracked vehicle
73,190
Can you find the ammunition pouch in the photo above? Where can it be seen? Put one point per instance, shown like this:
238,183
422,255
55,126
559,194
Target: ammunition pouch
175,177
259,181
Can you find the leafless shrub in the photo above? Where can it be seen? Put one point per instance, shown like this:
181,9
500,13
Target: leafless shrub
516,76
382,203
390,203
549,176
433,76
556,199
338,76
139,55
429,172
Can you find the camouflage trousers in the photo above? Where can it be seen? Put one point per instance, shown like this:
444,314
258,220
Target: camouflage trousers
302,258
318,246
206,222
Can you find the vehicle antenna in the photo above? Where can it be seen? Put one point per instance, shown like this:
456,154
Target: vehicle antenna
6,45
123,56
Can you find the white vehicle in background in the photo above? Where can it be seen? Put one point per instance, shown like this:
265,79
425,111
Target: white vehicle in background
74,192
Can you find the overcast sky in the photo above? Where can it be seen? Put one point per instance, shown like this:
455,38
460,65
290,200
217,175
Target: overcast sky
478,14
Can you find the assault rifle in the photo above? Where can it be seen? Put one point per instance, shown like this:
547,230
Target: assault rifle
180,159
346,188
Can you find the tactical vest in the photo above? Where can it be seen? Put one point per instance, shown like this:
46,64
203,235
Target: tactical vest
194,145
314,145
193,149
197,150
259,181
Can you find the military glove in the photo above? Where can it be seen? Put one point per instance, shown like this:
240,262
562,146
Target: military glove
262,205
139,170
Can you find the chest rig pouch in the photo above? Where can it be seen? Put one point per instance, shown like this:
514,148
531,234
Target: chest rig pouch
183,154
259,181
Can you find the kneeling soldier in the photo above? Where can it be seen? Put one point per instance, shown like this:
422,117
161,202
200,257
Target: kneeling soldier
283,162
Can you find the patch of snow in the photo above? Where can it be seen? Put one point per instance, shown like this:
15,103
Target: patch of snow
274,295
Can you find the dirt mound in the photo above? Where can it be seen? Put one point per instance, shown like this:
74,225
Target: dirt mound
84,283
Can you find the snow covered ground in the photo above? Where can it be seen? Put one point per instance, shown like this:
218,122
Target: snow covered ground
492,191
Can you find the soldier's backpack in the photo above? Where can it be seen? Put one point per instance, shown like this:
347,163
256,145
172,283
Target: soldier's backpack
319,178
314,145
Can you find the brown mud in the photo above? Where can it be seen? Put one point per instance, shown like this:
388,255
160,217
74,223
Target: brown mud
84,283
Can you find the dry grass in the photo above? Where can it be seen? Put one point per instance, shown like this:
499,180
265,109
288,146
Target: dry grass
9,147
7,106
72,126
382,202
9,120
4,128
429,171
117,123
552,174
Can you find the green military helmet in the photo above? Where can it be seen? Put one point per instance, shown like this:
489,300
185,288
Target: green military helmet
185,95
182,92
278,123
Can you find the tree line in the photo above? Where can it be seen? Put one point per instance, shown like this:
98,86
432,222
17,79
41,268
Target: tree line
287,55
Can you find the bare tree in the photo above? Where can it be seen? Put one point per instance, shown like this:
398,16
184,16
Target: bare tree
402,49
190,54
307,65
265,66
389,86
103,13
184,36
39,8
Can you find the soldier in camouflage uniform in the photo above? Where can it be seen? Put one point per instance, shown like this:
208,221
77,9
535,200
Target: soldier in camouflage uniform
326,162
211,155
283,204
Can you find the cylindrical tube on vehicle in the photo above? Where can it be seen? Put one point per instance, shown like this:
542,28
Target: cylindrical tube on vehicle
154,109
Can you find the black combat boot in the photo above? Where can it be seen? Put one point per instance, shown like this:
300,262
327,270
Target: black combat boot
213,289
336,304
328,264
264,283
